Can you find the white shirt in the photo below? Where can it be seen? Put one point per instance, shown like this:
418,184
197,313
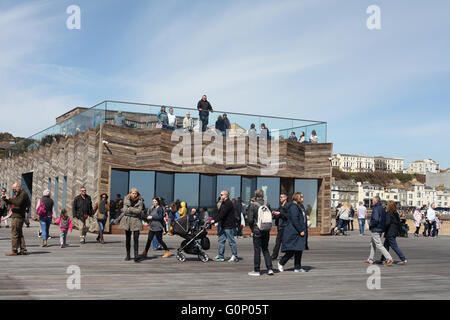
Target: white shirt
431,214
362,212
172,119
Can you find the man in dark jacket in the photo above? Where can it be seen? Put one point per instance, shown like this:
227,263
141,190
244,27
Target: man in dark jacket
281,217
376,225
260,237
237,213
19,204
82,211
227,224
204,107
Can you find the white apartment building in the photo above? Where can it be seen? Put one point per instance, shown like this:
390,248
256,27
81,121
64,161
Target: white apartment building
361,163
423,166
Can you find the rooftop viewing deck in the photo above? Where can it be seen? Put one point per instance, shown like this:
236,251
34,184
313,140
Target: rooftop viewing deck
145,116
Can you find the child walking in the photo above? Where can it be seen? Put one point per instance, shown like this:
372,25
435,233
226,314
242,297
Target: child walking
65,224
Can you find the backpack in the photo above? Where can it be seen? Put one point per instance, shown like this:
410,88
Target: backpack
264,222
64,223
41,211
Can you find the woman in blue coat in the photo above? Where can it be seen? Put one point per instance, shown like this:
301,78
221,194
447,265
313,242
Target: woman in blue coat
295,235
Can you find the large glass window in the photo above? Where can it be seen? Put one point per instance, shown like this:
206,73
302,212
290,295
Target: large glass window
144,181
164,186
271,188
310,189
248,189
119,183
186,188
208,186
230,183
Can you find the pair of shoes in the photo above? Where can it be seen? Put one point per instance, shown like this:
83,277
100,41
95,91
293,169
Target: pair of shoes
40,234
403,262
137,259
270,272
233,259
219,259
11,253
254,273
127,258
49,237
23,253
280,267
368,261
300,270
167,254
388,263
62,246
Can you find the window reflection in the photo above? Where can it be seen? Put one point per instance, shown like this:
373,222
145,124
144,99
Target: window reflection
144,181
230,183
186,188
208,186
248,189
164,186
271,188
119,183
309,188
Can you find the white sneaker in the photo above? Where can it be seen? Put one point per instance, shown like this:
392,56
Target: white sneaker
233,259
254,273
270,272
280,267
300,270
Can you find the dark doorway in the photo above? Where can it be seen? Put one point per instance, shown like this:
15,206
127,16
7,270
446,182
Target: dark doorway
27,183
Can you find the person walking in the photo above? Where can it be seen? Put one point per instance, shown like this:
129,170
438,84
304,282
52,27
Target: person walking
18,204
133,206
101,210
431,218
295,235
45,209
362,216
391,231
377,225
155,216
260,237
281,217
424,220
225,218
82,213
351,217
204,107
237,204
4,207
65,224
417,220
344,216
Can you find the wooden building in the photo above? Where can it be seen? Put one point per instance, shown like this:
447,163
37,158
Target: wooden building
112,159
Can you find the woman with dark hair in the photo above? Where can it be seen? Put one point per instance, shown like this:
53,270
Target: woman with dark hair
301,138
295,235
391,231
155,217
103,208
45,210
313,138
133,206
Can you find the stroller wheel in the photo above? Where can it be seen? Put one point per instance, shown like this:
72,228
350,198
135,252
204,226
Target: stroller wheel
203,257
181,257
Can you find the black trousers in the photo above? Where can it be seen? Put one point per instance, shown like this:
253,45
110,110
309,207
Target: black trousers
261,243
159,237
297,258
128,242
276,249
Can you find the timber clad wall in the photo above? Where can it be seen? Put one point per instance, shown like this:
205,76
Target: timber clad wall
85,160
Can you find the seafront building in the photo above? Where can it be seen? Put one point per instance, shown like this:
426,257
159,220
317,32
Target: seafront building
115,145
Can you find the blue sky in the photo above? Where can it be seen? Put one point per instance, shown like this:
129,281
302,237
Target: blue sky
382,92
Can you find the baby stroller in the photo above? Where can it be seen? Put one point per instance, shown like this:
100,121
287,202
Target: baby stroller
195,241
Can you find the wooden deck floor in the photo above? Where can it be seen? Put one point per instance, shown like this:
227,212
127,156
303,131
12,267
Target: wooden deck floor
334,264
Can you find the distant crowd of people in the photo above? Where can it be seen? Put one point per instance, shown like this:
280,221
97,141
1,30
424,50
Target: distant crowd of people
222,125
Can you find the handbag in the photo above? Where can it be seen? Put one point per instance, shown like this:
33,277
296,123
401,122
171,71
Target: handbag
158,125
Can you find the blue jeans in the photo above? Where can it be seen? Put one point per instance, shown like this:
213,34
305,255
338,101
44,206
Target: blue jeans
155,243
362,223
101,225
225,234
392,242
342,225
45,227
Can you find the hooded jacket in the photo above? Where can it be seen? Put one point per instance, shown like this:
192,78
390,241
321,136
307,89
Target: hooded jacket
377,219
